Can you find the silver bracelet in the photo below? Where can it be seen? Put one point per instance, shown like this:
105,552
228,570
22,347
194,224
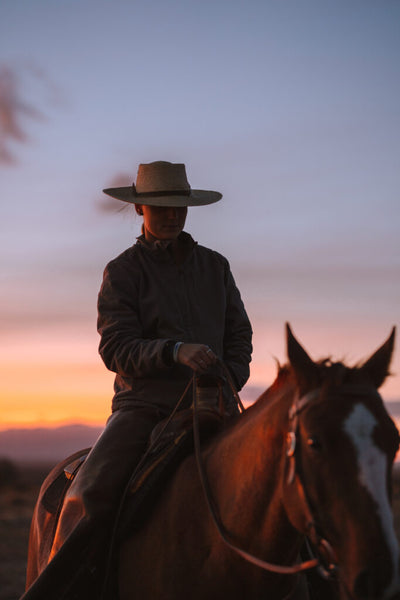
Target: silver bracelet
176,350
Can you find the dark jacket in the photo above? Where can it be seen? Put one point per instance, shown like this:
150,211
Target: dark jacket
147,299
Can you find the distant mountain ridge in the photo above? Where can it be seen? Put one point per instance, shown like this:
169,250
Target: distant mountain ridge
46,444
54,444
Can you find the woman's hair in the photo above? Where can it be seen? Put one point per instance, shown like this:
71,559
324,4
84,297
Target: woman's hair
140,213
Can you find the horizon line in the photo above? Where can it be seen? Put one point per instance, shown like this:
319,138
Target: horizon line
75,422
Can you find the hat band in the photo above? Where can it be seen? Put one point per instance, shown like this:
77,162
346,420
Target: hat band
162,193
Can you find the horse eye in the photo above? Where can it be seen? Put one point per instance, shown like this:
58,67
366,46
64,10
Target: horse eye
314,443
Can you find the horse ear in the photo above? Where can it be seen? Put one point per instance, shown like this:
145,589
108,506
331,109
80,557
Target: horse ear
377,366
305,369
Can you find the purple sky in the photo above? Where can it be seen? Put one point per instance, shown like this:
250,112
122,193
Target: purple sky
290,109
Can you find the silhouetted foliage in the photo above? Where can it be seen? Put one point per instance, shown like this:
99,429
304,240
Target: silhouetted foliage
8,472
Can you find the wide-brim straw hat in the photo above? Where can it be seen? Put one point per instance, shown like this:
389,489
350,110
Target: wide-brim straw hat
163,183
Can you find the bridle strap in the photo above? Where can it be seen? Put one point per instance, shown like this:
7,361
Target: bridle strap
224,534
321,544
291,437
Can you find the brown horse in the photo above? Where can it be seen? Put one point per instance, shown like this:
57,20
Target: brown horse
311,459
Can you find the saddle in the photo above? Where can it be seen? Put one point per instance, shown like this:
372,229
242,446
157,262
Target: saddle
171,440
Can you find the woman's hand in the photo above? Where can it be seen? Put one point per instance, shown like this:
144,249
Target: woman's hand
196,356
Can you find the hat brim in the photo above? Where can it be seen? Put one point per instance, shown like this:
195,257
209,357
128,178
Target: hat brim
194,198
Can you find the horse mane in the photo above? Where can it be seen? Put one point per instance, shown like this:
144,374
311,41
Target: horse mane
329,374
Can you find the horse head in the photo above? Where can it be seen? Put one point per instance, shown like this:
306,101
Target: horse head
337,484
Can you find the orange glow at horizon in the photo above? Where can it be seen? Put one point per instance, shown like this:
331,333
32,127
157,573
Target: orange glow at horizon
53,394
58,378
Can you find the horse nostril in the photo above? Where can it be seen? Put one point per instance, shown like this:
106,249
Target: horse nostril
370,585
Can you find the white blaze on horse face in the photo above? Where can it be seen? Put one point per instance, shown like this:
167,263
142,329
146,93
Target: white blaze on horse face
372,465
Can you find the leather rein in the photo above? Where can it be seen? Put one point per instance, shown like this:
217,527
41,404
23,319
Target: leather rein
281,569
322,545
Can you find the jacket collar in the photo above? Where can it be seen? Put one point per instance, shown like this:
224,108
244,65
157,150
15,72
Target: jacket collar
162,248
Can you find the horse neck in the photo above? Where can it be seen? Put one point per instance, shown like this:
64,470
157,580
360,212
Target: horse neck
249,445
245,467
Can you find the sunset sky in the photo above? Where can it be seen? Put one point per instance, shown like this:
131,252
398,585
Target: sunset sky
290,108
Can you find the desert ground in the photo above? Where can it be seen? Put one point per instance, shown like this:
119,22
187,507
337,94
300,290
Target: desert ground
19,487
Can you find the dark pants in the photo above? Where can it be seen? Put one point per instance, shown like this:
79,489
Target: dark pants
91,502
87,517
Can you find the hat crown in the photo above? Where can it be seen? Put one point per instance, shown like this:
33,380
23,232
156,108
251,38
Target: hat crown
161,176
162,183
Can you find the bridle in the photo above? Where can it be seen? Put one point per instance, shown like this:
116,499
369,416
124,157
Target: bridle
326,560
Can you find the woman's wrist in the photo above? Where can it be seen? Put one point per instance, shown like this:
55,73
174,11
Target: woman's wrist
175,351
170,352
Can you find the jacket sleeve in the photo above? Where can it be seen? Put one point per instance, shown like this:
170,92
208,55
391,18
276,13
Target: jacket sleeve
238,334
122,347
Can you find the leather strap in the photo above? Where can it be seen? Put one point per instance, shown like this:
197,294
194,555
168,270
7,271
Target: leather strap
282,569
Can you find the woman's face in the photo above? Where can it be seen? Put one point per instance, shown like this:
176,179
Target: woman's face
162,222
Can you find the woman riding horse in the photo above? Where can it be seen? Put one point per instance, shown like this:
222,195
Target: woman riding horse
311,459
167,307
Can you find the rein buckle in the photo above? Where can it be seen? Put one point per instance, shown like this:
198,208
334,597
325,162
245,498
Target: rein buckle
290,443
